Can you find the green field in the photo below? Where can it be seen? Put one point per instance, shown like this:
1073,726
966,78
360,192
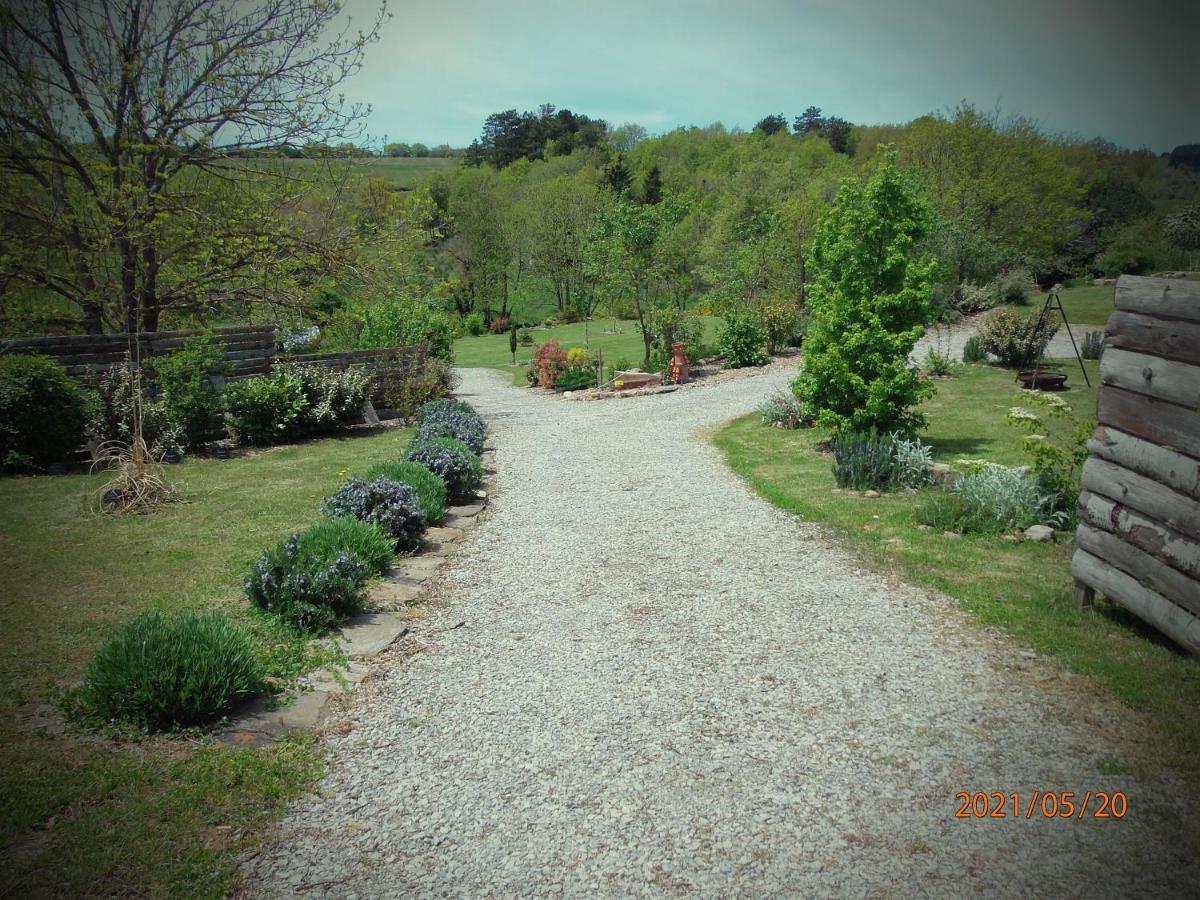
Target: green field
159,817
1023,587
619,340
1090,306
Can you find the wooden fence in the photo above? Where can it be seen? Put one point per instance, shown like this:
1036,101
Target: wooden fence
250,350
1138,540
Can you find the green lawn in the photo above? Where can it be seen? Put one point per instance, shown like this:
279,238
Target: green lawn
1085,306
1024,588
618,339
157,817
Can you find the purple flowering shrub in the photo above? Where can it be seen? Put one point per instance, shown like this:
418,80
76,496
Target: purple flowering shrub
451,460
392,505
306,586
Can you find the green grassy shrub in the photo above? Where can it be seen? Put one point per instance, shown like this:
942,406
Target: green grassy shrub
189,398
42,412
743,340
392,505
865,461
306,587
345,534
1016,338
974,351
991,500
473,325
450,460
431,490
1092,345
265,409
163,672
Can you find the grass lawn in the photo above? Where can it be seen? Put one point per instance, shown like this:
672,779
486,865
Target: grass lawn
1024,588
617,339
157,817
1085,306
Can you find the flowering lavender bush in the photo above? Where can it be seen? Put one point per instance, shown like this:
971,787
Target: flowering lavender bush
392,505
434,409
464,427
305,586
450,460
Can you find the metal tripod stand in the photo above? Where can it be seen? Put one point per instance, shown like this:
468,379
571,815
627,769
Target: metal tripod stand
1053,303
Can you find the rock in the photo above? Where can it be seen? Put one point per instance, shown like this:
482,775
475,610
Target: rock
925,528
870,494
1040,533
953,535
940,473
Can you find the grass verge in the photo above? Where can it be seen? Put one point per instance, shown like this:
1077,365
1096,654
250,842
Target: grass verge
82,814
1023,588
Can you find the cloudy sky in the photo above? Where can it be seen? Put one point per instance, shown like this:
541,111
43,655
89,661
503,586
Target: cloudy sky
1122,70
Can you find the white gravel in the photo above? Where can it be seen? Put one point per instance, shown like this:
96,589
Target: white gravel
663,685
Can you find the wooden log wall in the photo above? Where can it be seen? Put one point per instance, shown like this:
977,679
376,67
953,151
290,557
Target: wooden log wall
250,350
1138,540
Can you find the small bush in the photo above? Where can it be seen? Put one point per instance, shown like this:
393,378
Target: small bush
548,362
937,363
577,378
265,409
1093,345
406,388
162,672
1014,286
431,490
670,325
912,461
450,460
331,399
525,337
973,350
974,298
391,505
346,534
42,413
781,323
1126,261
189,397
435,408
463,426
743,340
782,410
473,324
865,461
305,587
1016,338
990,500
499,324
112,412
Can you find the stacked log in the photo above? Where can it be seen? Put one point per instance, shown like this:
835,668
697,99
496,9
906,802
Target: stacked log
1138,540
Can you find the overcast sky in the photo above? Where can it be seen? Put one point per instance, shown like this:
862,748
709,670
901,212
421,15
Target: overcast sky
1122,70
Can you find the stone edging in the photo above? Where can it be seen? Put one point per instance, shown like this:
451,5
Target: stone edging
365,636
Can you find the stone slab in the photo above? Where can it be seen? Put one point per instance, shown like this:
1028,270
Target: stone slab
469,509
400,592
419,567
369,633
443,535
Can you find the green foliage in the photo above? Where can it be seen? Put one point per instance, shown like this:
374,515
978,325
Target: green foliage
430,489
865,461
450,460
474,325
1055,445
1092,345
332,399
189,398
42,413
392,505
1013,286
112,412
743,340
782,324
1127,261
782,410
870,301
403,323
305,585
937,363
164,672
990,500
577,378
668,325
1015,338
974,351
346,534
973,298
406,388
265,409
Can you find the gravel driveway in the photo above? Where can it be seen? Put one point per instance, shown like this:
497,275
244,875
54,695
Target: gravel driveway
663,685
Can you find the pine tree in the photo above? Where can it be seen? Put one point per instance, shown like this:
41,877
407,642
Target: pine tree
652,186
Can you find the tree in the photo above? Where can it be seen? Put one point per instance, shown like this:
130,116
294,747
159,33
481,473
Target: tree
398,150
808,122
770,124
652,186
1185,156
618,176
420,150
124,133
870,301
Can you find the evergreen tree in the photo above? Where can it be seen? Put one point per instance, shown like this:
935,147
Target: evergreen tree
618,175
652,186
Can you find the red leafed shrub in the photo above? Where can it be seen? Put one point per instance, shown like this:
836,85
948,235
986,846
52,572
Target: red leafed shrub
499,324
548,362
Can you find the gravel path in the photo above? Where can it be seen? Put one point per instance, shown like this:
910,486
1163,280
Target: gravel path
949,340
663,685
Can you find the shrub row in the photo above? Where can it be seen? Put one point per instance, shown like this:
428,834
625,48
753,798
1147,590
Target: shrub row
162,672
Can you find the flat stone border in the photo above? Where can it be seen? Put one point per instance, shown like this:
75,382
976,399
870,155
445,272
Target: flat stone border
364,637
